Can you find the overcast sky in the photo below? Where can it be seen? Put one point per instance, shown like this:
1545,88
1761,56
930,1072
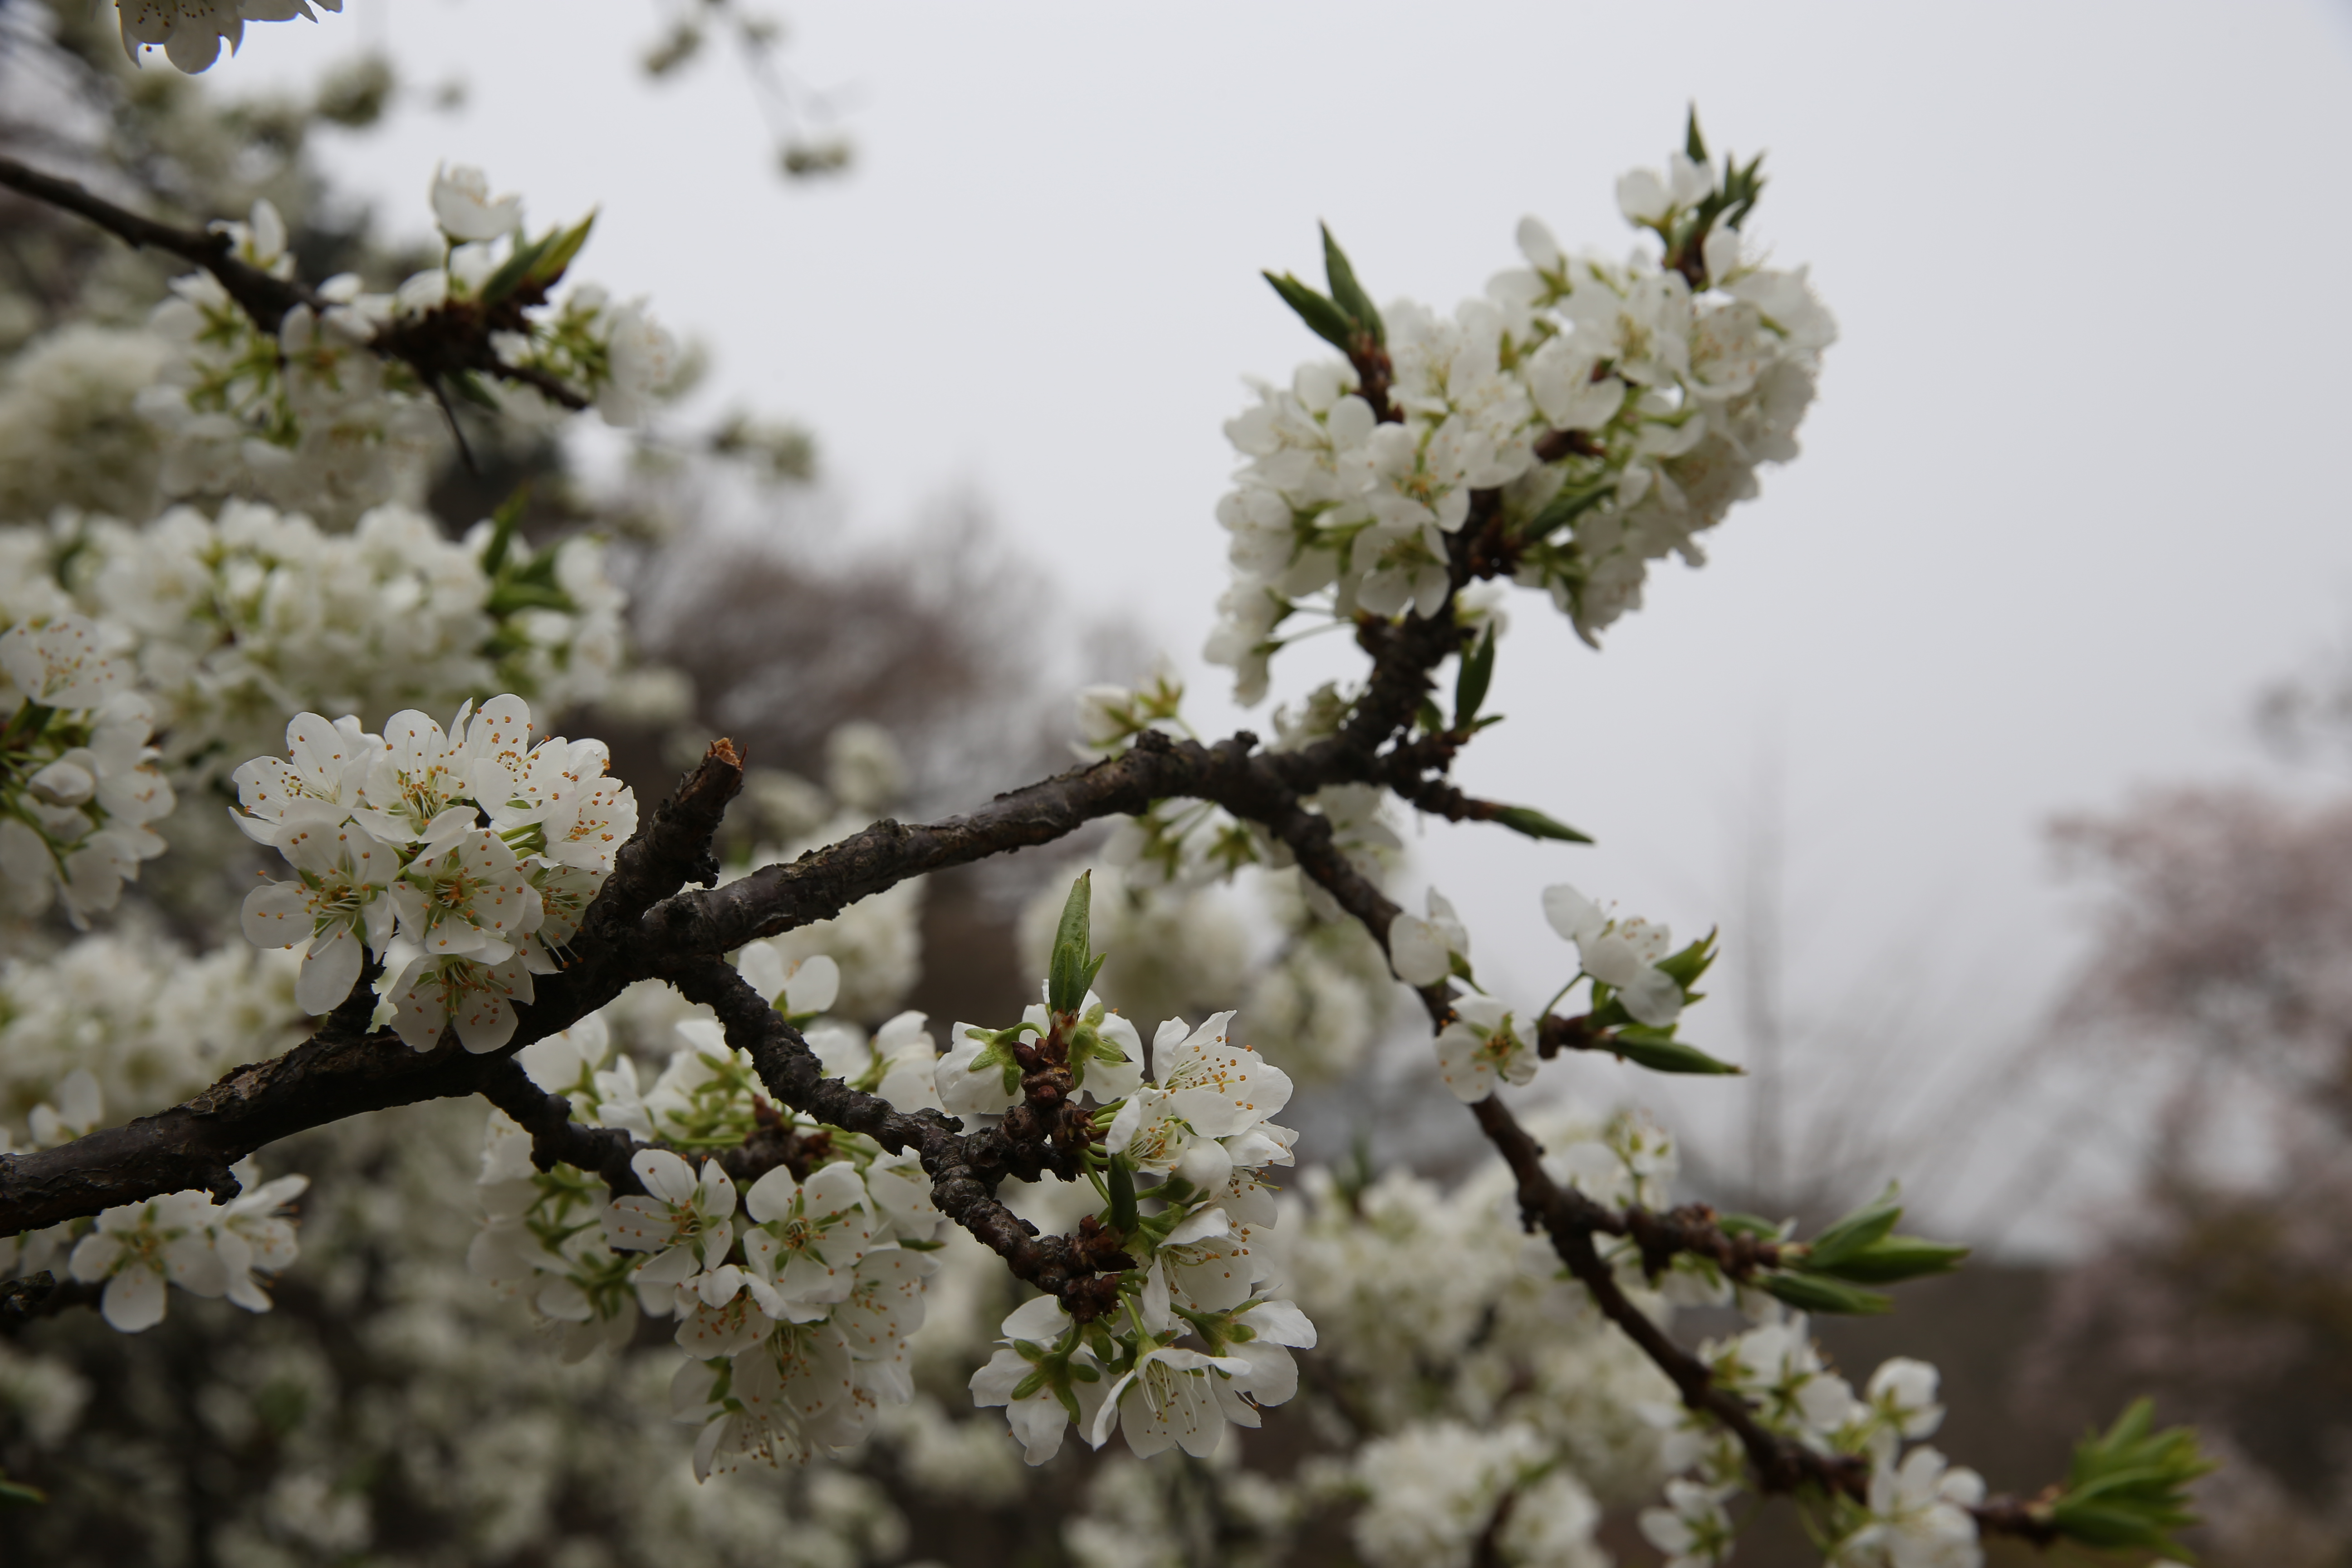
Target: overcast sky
2070,493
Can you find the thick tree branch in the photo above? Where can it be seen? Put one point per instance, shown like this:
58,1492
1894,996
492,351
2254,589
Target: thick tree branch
345,1068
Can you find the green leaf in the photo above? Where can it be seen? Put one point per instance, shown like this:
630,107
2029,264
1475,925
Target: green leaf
1812,1294
1897,1259
1527,819
504,522
556,257
1747,1224
1685,967
17,1494
1659,1051
539,264
1693,142
1122,1195
515,269
1855,1231
1347,293
1324,319
1072,944
1428,718
1470,683
468,385
510,596
2127,1487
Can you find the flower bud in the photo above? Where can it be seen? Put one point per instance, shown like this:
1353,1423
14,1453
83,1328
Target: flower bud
63,783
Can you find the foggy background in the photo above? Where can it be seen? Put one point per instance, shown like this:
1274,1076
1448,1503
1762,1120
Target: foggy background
2069,498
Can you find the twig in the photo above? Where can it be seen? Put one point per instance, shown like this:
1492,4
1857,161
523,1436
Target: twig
262,297
41,1295
451,338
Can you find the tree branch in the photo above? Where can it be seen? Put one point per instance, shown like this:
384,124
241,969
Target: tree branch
345,1068
964,1168
449,339
43,1295
262,297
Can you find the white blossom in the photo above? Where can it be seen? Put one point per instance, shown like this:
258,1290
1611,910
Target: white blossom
462,206
1919,1517
1167,1400
339,902
1622,954
804,1239
685,1221
1481,1047
1692,1529
1423,950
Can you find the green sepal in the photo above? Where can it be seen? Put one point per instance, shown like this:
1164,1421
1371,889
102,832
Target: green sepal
1122,1195
1323,318
1658,1050
1349,294
916,1244
1693,142
1086,1042
1470,683
1072,972
1565,507
1527,819
1812,1294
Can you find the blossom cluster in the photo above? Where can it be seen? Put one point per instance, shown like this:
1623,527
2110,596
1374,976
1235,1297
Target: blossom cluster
1608,412
225,624
461,860
205,1247
143,1021
1441,1318
315,413
1916,1514
794,1291
1198,1130
77,780
185,1238
1639,986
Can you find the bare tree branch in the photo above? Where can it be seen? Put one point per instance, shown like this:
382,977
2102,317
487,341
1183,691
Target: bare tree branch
262,297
